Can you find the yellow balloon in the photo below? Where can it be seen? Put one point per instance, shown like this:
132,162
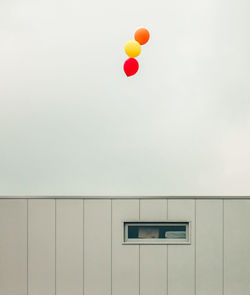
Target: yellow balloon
132,48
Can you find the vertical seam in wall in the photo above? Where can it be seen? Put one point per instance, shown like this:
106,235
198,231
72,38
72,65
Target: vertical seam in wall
55,245
139,252
195,248
223,250
27,246
167,248
111,287
83,246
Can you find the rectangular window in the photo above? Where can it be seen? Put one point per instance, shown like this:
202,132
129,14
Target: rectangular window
169,232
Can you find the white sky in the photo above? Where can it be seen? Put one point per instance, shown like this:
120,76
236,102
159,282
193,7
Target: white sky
72,123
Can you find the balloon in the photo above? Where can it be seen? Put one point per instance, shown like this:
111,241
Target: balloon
132,48
142,35
131,66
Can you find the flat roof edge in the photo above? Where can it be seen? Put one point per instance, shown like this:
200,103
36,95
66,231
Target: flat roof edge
122,197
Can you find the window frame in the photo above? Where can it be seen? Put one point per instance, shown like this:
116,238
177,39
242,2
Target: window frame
138,241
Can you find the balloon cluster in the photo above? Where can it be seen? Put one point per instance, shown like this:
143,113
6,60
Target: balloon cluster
133,49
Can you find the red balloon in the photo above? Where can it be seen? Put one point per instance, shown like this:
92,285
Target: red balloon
131,66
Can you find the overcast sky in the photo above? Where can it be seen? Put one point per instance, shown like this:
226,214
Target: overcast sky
72,123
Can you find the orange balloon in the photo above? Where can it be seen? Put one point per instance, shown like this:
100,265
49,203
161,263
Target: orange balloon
142,35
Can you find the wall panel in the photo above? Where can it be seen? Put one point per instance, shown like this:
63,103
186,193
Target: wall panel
236,247
41,247
69,247
125,258
209,247
13,247
97,247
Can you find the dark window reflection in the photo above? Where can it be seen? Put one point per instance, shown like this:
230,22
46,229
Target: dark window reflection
157,232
